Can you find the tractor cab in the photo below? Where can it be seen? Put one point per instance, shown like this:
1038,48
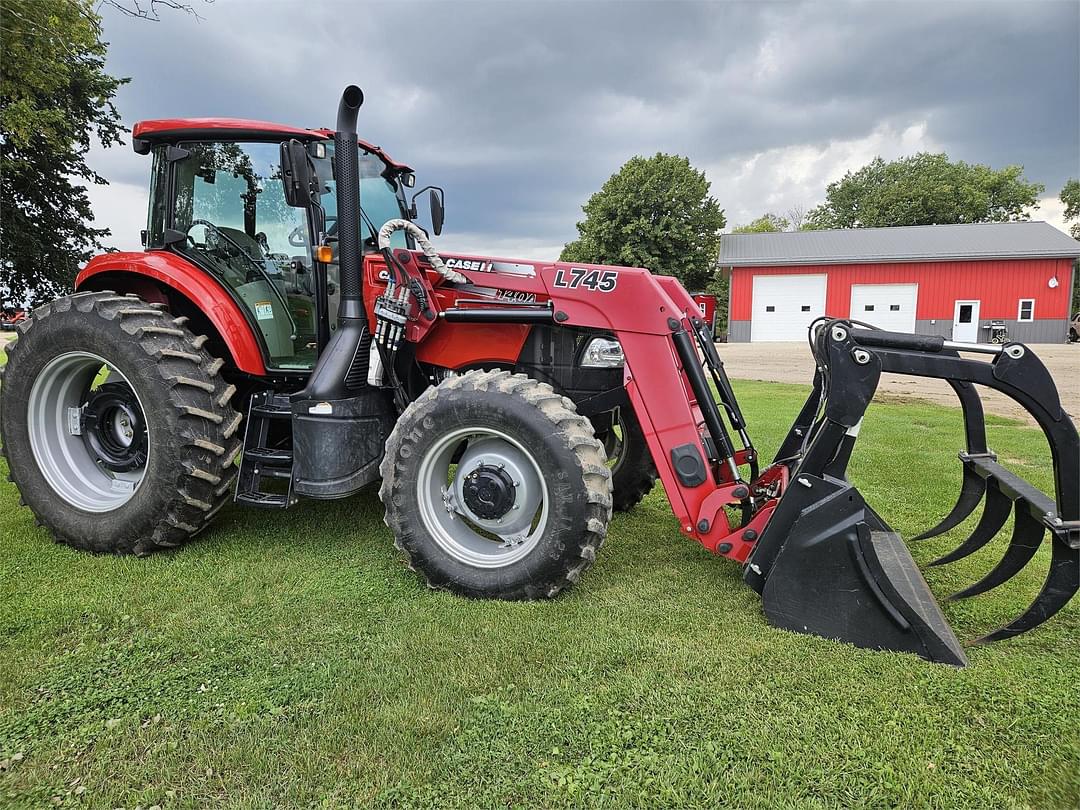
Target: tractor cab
217,199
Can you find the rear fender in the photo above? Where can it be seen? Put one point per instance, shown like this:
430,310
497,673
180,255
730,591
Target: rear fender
146,273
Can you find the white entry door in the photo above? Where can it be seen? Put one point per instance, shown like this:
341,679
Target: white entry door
965,322
783,306
886,306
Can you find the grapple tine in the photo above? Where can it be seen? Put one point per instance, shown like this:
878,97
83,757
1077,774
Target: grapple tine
974,486
971,492
995,513
1026,538
1061,584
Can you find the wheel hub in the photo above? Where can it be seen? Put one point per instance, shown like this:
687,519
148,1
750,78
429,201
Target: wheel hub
482,496
91,442
114,428
489,492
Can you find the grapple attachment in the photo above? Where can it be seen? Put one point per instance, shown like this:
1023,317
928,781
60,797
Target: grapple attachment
827,564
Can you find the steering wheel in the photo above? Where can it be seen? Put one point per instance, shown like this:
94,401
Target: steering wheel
298,236
226,238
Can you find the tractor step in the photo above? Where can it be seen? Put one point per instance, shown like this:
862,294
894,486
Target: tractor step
274,407
268,454
263,500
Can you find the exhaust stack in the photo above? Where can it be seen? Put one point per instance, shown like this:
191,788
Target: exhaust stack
339,422
348,205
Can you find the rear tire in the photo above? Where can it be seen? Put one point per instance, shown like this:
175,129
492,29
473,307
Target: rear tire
190,429
633,474
533,450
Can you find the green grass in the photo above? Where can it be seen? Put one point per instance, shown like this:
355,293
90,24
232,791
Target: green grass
289,660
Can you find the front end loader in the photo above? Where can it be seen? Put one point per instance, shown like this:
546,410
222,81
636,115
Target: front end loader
286,281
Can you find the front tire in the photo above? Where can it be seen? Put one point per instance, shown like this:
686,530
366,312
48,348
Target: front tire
116,424
495,487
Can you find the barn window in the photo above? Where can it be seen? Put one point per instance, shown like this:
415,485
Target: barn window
770,309
869,307
894,307
805,309
1026,310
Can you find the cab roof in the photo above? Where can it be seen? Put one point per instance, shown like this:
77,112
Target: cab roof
164,130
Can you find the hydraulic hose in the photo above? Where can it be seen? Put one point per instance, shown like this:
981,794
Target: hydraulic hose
417,233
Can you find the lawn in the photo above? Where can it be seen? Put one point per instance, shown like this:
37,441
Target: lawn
290,660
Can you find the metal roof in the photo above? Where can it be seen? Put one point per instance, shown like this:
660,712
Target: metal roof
920,243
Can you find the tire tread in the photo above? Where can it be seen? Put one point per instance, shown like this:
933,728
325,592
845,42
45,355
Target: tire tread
193,388
572,429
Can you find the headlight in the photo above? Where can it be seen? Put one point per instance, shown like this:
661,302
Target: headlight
602,353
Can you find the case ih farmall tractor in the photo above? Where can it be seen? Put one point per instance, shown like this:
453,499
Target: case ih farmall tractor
284,281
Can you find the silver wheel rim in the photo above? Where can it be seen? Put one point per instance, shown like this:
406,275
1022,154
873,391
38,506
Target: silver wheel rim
66,462
447,516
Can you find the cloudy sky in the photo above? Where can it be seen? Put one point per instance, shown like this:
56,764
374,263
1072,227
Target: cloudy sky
521,109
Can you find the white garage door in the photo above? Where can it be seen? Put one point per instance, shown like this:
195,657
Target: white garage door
783,306
886,306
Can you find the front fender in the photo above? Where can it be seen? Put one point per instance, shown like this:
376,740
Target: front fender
206,293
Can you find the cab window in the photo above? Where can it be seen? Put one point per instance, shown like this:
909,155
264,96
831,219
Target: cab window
230,206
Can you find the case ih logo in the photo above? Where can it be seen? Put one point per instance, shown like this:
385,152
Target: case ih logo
475,265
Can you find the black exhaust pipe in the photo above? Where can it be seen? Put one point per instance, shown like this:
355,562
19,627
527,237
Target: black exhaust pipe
343,365
348,204
339,422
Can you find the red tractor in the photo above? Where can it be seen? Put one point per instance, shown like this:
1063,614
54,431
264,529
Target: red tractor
290,332
11,317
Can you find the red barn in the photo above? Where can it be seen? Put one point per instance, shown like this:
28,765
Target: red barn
949,280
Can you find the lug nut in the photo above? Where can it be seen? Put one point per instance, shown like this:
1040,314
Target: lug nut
724,548
740,492
703,525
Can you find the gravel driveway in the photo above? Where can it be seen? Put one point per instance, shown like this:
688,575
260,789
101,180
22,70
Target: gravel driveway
791,363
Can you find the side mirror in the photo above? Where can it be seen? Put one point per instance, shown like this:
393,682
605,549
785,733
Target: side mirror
298,177
435,200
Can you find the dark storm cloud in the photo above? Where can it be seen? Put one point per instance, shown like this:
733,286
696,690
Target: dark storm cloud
522,109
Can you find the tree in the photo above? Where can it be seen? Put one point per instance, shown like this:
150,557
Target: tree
925,189
766,223
56,97
656,213
1070,197
148,9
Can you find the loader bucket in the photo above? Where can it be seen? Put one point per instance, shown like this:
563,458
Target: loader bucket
828,565
843,574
